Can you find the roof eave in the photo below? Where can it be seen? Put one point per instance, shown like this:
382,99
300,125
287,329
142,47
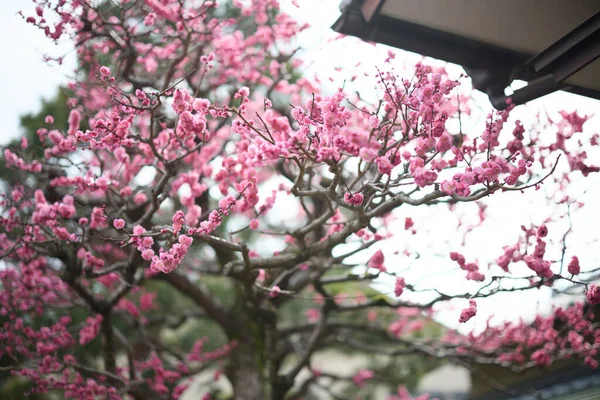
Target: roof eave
491,68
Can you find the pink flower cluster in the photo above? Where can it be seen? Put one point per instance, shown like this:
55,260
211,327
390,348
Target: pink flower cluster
399,286
90,261
377,261
362,377
541,358
144,242
511,254
422,175
574,267
90,329
403,394
469,312
472,269
275,292
47,214
119,223
545,340
167,261
12,160
198,354
592,295
197,189
160,376
536,261
356,199
190,125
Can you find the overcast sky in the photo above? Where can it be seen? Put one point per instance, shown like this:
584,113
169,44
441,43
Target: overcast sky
25,78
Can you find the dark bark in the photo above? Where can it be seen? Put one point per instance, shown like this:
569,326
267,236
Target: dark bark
202,297
247,364
108,344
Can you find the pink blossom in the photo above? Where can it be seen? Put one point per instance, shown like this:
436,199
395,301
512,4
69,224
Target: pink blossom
592,295
275,291
444,143
178,221
355,199
541,358
368,154
362,376
313,314
149,19
243,92
377,261
591,362
90,329
469,312
542,231
74,121
105,71
185,240
384,166
147,254
399,286
573,267
119,223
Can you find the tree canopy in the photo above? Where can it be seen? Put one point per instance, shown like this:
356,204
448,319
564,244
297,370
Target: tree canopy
206,207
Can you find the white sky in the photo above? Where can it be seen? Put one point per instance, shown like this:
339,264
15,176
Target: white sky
25,78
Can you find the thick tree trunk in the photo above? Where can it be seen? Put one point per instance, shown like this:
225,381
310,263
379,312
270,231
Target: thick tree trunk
246,373
247,370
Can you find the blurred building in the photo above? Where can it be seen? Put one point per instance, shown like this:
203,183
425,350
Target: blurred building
551,44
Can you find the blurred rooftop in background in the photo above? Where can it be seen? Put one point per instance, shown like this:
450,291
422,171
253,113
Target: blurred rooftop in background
551,44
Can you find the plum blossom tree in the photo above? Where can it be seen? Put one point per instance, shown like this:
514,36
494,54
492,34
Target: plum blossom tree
197,126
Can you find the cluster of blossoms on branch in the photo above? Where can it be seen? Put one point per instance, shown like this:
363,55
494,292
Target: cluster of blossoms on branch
524,345
188,125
